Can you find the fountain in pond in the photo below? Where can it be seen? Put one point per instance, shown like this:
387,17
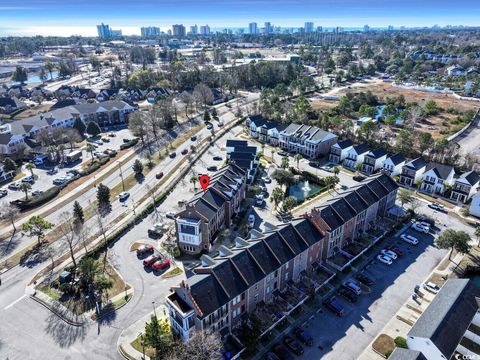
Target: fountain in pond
306,187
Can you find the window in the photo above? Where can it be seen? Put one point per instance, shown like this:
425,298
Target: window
286,265
286,276
269,289
256,297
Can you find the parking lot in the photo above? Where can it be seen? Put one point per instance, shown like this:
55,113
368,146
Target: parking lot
347,336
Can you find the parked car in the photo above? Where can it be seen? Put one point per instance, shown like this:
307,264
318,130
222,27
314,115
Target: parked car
14,186
333,305
303,336
112,134
396,250
28,179
353,286
389,253
282,153
385,259
60,181
425,219
217,158
145,249
37,192
433,288
150,260
421,227
170,215
251,221
220,124
259,200
123,196
3,193
409,239
436,206
359,178
184,151
193,138
157,230
271,356
160,264
267,180
212,168
209,126
52,171
347,294
282,352
172,155
159,175
364,279
105,139
293,345
126,140
327,167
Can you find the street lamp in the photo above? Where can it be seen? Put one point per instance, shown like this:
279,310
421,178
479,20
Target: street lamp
121,175
154,311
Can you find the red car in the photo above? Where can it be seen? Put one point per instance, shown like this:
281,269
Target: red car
159,175
396,250
160,264
150,260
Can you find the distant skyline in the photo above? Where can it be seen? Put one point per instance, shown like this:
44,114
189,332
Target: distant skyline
64,18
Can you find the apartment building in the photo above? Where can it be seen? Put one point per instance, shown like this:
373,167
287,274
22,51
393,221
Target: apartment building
436,177
306,140
227,287
345,219
339,151
264,131
412,172
208,212
448,328
465,186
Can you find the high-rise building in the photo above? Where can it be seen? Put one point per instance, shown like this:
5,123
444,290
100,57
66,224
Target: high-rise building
178,30
252,28
390,28
194,29
309,27
205,30
104,31
268,28
150,31
366,28
319,29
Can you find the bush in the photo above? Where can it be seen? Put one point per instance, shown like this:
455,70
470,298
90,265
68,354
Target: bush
38,200
401,342
129,144
95,166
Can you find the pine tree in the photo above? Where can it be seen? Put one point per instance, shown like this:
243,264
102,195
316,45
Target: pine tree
78,212
79,125
93,128
103,198
138,168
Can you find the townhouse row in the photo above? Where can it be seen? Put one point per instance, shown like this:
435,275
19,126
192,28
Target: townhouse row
224,290
309,141
13,135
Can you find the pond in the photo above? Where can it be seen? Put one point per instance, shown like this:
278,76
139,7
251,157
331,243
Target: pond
303,189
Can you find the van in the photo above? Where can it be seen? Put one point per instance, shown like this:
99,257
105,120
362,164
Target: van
40,160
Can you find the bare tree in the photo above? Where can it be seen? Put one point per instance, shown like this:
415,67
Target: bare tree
10,213
203,94
99,217
67,229
201,346
72,136
414,116
187,99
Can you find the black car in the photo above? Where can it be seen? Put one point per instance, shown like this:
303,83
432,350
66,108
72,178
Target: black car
3,193
193,138
282,352
303,336
314,164
359,178
293,345
347,294
212,168
364,279
333,304
172,154
217,158
282,153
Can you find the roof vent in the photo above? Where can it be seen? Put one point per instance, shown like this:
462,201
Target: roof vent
269,227
254,234
207,261
224,251
239,242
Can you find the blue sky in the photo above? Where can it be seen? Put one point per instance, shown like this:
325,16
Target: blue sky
66,17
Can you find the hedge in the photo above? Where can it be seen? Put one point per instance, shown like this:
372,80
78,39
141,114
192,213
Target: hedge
94,166
38,200
129,144
401,342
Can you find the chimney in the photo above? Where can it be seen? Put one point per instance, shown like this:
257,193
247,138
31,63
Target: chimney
224,251
207,261
239,242
254,234
269,227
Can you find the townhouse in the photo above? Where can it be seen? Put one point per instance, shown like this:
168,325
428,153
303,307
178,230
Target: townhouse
436,177
265,131
343,220
392,165
373,161
208,212
355,156
412,172
14,134
465,186
306,140
339,151
11,104
257,270
244,156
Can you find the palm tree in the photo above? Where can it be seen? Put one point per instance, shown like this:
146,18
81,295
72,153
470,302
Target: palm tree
194,180
30,168
285,162
297,158
24,186
277,196
91,148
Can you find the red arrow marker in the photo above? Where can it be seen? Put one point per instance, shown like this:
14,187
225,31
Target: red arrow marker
204,181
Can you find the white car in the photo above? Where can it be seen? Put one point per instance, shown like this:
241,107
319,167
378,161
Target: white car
389,253
409,239
259,200
422,227
59,181
429,286
384,259
170,215
436,206
123,196
251,220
